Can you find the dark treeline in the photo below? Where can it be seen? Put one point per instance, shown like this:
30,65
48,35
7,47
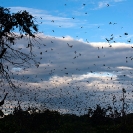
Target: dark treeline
98,120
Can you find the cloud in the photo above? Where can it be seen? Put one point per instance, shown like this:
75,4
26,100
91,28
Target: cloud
115,45
100,4
119,0
124,67
46,18
74,74
103,4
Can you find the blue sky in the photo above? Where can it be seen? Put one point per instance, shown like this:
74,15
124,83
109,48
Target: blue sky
90,16
89,71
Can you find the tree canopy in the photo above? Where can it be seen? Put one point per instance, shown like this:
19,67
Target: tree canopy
13,27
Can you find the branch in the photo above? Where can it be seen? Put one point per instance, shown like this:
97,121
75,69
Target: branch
2,53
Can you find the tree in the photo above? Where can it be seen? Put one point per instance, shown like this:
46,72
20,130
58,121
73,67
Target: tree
99,112
99,115
123,102
13,27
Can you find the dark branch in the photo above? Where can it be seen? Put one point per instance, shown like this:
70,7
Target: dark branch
2,53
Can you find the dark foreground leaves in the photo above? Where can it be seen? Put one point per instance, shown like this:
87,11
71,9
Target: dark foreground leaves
48,121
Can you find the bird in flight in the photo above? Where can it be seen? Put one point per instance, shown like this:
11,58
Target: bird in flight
69,45
125,33
107,5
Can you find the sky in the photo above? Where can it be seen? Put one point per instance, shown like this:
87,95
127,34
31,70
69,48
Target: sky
86,56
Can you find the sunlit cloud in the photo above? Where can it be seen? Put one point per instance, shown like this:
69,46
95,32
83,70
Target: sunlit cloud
125,68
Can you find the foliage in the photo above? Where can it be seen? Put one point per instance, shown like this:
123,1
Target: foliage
11,56
45,121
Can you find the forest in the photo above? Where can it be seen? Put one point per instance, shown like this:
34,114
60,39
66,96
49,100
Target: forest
98,120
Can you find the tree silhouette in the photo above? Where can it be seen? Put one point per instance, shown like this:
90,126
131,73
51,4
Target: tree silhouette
13,27
98,116
123,102
2,102
99,112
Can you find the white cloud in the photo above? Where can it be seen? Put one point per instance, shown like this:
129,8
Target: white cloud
114,45
119,0
125,68
47,18
65,38
100,4
60,75
103,4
